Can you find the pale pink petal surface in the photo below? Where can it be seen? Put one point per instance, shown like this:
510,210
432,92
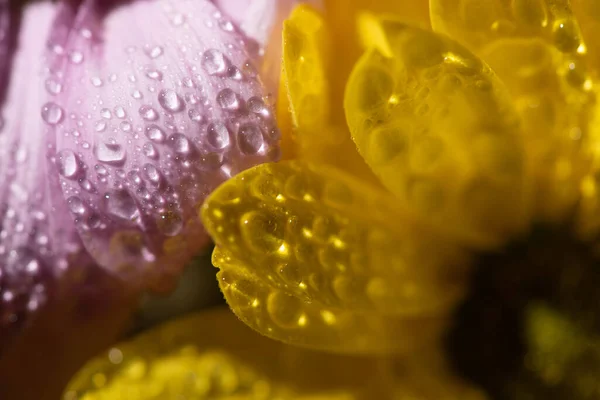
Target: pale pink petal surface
157,102
38,240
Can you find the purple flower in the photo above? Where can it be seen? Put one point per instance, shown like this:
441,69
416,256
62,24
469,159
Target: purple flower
118,119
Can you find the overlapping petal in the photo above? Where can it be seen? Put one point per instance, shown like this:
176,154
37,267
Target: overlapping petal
148,121
230,361
38,241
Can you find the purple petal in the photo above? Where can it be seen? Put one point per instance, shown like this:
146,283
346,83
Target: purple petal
38,241
158,104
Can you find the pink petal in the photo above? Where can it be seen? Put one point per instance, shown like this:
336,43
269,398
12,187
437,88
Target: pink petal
4,48
159,105
38,240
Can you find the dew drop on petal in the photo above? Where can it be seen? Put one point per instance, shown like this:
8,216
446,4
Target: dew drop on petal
217,135
180,144
214,62
109,153
121,205
228,100
170,100
148,113
250,138
155,133
67,164
52,113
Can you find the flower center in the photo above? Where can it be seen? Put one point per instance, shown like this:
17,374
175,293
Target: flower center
530,328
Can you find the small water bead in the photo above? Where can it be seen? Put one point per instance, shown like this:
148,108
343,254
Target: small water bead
152,174
257,106
170,100
155,133
249,70
215,63
234,73
106,113
100,126
67,164
125,126
170,223
76,57
120,112
195,115
121,205
136,94
153,51
52,113
52,86
96,81
154,74
180,144
566,35
177,19
250,138
110,153
148,113
76,205
87,186
149,150
228,100
134,177
217,135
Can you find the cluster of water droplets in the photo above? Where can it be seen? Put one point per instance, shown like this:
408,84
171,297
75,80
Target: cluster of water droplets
142,143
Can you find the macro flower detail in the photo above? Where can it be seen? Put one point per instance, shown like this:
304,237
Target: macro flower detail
460,187
111,138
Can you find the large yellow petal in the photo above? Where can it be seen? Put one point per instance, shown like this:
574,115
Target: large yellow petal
537,49
212,355
312,256
438,128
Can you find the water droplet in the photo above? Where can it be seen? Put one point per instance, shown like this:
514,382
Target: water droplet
249,70
152,174
76,57
110,153
105,113
149,150
97,82
234,73
250,138
121,205
87,186
120,112
76,205
67,164
180,144
228,100
134,177
52,113
195,115
214,62
177,19
136,94
170,223
155,133
170,100
217,135
153,51
154,74
53,86
257,106
148,113
125,126
100,126
226,25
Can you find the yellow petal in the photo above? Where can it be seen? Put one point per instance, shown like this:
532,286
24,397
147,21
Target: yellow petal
328,245
587,13
537,49
437,127
212,355
316,133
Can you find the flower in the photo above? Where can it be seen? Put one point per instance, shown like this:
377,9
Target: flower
117,120
452,204
436,219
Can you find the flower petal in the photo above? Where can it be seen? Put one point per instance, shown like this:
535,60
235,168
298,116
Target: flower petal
37,246
537,50
318,131
437,127
231,361
302,262
156,117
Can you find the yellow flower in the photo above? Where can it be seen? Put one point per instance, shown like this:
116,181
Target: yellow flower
436,214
